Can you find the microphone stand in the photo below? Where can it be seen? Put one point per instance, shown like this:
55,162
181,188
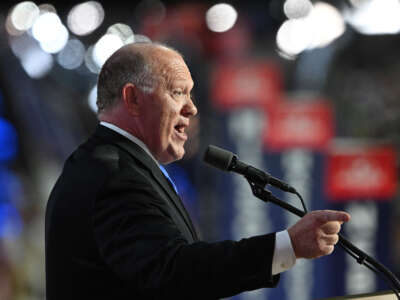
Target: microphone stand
361,257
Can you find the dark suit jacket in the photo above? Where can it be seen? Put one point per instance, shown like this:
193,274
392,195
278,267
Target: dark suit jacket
116,229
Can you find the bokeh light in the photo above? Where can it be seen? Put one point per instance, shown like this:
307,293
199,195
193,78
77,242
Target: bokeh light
89,61
116,36
140,38
72,56
10,28
21,44
221,17
34,60
47,7
10,221
327,24
50,32
123,31
356,76
37,63
293,37
92,99
295,9
105,47
8,141
86,17
24,15
318,29
375,16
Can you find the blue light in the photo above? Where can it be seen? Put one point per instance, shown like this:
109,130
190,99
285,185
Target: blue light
10,221
8,141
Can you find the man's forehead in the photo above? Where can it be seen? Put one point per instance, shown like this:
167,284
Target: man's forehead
174,68
170,59
168,63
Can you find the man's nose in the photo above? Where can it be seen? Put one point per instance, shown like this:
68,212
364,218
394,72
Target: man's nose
189,110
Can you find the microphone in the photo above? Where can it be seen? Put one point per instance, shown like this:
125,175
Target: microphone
227,161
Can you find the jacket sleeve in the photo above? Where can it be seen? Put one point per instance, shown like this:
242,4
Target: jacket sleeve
141,244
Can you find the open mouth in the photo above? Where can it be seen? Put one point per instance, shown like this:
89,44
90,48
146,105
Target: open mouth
180,131
180,128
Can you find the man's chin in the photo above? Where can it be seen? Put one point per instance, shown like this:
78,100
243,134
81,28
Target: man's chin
173,154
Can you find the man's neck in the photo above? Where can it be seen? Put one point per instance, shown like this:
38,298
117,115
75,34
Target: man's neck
129,136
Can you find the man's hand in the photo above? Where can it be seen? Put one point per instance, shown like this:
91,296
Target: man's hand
316,233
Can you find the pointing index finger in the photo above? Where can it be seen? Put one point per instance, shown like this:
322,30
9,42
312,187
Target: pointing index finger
333,215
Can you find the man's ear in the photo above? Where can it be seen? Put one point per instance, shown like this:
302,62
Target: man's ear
131,98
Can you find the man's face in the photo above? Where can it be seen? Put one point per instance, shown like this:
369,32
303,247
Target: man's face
166,111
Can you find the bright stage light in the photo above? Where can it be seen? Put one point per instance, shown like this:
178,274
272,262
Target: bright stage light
322,25
10,28
24,15
50,32
105,47
326,23
86,17
293,37
375,17
221,17
296,9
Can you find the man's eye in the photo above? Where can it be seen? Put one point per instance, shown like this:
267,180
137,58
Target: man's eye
178,93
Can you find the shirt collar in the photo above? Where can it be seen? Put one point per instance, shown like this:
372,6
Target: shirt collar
130,137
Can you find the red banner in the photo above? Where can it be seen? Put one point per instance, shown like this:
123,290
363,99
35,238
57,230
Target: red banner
356,173
180,21
299,124
246,84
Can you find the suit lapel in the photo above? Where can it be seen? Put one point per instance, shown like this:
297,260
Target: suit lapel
140,155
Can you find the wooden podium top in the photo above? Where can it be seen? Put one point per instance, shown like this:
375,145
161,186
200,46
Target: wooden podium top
387,295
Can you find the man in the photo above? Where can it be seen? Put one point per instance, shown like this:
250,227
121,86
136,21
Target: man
115,226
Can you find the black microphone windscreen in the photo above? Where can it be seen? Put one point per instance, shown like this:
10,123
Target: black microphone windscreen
218,158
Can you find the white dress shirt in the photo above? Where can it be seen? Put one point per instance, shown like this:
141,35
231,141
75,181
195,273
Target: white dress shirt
283,258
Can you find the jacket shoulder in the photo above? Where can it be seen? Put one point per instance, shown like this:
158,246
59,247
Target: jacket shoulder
107,157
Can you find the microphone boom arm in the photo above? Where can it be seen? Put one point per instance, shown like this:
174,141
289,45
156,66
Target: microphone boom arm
360,256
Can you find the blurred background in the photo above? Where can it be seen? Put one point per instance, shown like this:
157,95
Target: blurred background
307,90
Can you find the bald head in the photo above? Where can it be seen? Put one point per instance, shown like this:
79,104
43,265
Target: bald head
137,63
145,89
